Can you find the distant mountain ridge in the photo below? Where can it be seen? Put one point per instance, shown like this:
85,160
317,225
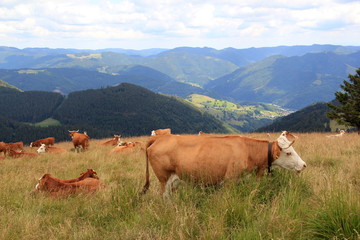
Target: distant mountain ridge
289,76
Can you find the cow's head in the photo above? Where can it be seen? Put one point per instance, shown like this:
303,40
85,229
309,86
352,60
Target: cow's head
71,133
117,138
288,159
42,148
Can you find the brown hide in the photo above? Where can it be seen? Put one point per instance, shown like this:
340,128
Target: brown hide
163,131
47,141
59,188
112,142
15,154
55,150
3,148
208,160
79,139
15,146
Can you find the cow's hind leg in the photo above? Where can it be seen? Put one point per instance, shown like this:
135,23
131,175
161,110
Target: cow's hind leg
171,184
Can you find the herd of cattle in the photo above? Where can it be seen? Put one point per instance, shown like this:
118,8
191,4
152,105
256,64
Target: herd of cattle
204,158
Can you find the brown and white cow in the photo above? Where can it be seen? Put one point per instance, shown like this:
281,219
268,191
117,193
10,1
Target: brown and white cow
15,146
164,131
211,160
58,188
15,154
113,142
49,141
45,149
79,140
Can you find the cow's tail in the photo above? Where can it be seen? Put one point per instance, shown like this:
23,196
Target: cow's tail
147,178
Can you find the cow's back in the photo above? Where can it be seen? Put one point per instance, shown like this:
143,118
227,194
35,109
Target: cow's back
201,158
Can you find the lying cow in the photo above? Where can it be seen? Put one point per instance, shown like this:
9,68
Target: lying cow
340,134
47,141
15,154
113,142
161,132
79,140
126,147
15,146
89,173
211,160
57,187
45,149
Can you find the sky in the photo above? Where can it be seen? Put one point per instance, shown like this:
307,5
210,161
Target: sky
145,24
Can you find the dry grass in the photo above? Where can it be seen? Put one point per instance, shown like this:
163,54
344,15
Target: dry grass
323,202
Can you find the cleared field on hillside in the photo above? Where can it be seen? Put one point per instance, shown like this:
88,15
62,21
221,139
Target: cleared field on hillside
323,202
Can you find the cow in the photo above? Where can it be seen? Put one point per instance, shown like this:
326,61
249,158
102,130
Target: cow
340,134
3,148
15,146
45,149
212,160
125,148
49,141
113,142
58,188
89,173
164,131
15,154
79,140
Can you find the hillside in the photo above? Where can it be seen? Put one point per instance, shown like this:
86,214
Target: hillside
245,117
126,109
132,110
309,119
291,82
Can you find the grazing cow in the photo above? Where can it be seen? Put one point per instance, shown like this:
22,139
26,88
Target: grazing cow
340,134
161,132
211,160
57,188
15,154
15,146
47,141
45,149
113,142
3,148
79,140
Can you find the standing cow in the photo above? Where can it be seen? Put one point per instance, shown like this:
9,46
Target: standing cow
79,140
211,160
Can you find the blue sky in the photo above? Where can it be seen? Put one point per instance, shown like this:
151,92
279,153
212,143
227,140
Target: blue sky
143,24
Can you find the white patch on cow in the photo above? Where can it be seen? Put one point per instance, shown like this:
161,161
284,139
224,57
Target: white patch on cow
153,133
31,144
42,148
288,159
172,183
37,187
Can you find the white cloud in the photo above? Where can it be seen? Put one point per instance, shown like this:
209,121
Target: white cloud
221,23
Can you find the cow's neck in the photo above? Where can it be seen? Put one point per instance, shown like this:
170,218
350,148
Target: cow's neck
270,156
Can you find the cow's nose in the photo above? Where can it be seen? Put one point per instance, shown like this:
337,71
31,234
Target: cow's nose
304,165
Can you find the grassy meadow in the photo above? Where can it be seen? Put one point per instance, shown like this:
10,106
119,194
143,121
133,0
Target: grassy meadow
322,202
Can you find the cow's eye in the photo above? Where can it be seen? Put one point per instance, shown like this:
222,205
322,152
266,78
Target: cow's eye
289,153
